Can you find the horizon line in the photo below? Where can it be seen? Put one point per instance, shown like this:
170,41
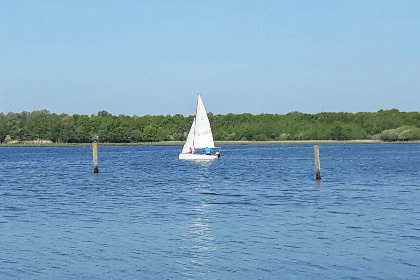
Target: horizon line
243,113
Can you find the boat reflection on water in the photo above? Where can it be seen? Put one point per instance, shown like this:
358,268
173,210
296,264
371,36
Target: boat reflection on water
199,233
205,164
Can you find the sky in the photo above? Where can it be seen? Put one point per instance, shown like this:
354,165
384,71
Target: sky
154,57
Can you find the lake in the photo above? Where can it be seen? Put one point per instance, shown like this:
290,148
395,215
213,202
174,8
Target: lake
258,213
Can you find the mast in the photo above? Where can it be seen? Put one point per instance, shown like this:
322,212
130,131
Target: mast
195,124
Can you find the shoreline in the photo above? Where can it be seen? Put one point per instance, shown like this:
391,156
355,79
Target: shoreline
217,143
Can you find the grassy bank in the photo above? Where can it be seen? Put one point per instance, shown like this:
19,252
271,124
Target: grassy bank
312,142
162,143
218,143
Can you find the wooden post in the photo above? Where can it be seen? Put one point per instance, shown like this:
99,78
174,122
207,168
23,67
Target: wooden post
317,163
95,158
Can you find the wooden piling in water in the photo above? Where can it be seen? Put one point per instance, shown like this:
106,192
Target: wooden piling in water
95,158
317,163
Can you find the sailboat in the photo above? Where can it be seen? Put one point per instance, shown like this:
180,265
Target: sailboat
200,137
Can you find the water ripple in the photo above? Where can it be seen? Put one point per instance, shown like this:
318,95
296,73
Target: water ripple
256,214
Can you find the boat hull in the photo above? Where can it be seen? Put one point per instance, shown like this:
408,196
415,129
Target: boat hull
197,157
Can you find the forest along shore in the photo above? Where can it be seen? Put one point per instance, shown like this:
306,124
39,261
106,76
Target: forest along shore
217,143
388,125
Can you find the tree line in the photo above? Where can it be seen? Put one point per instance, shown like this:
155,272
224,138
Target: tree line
388,125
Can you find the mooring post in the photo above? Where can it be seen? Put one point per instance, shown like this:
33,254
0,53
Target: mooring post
95,157
317,163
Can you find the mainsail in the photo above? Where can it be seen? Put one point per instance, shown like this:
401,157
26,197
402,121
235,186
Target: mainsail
189,144
203,136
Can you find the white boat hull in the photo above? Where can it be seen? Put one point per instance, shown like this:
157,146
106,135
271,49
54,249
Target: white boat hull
197,157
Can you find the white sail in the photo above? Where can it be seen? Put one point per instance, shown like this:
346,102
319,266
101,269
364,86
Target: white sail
199,137
203,136
189,144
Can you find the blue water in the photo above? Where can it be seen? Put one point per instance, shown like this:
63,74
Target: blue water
256,214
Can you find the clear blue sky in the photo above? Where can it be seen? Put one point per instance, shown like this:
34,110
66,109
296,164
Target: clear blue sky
153,57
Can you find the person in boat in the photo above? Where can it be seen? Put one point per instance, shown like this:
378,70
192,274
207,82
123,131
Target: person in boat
191,150
208,151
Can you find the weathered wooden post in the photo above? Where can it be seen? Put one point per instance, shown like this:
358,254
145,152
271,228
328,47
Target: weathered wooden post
317,163
95,157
